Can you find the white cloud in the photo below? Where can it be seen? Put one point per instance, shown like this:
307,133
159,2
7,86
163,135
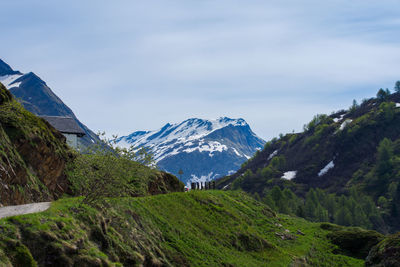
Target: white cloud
141,64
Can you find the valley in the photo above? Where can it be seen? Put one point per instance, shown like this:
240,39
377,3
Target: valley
200,133
117,209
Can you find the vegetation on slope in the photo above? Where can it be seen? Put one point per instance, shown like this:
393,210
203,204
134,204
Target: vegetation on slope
202,228
32,155
357,150
37,165
386,253
109,171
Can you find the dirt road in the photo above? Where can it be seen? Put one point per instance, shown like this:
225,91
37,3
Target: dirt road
23,209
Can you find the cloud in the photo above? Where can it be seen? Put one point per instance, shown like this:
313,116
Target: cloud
142,64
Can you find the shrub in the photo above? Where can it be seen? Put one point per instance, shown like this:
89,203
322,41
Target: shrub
108,171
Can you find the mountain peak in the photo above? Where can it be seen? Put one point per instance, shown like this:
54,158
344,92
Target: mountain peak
5,69
198,146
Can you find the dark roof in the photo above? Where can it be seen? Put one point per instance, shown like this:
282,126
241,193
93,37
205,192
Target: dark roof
65,124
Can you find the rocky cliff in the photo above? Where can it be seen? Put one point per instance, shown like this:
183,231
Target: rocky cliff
33,155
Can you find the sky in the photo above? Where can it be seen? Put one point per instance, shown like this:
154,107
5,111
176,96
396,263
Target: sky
124,66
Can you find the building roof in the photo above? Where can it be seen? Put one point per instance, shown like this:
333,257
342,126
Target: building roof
65,125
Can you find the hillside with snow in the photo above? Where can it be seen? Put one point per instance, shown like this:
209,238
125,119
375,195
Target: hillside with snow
203,149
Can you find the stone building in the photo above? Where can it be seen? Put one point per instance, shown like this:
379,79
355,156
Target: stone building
68,127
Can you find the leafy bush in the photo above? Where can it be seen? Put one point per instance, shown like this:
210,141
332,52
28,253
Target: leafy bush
109,171
317,120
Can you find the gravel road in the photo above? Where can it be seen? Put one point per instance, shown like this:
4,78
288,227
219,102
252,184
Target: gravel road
23,209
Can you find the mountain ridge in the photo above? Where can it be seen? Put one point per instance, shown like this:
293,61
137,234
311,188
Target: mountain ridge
350,153
198,142
39,99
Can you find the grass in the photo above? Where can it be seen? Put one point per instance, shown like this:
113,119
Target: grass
202,228
27,143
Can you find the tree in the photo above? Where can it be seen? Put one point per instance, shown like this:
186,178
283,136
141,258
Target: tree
109,171
343,217
385,154
359,218
382,95
311,203
387,111
397,87
322,214
354,106
279,199
317,120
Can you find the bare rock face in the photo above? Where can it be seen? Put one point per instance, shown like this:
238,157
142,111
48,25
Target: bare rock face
33,155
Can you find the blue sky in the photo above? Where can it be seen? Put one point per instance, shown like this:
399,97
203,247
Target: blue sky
124,66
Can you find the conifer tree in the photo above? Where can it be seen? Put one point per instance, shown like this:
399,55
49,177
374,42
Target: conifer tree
343,217
397,87
385,154
382,95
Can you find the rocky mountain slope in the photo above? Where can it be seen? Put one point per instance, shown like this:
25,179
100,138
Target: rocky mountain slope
350,150
202,149
38,98
33,155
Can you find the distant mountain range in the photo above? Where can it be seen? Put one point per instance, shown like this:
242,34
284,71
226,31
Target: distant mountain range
202,149
38,98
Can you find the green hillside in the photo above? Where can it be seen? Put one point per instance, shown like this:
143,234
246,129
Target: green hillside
33,155
352,155
211,228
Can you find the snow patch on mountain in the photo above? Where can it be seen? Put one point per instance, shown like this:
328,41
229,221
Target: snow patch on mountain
211,147
203,149
9,80
324,170
273,154
289,175
187,137
344,124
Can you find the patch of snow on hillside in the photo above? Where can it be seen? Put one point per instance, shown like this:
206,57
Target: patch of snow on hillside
189,144
344,124
324,170
236,152
123,143
289,175
226,186
211,146
7,80
339,119
273,154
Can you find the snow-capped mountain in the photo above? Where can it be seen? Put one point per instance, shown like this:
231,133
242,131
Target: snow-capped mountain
203,149
38,98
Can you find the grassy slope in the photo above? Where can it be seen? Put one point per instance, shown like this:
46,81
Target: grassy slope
32,155
210,228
